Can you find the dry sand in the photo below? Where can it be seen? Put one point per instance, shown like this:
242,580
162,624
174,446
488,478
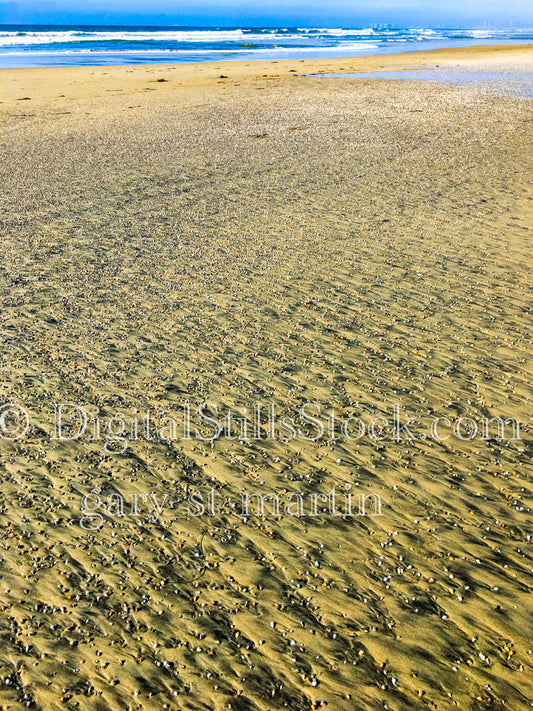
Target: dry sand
172,235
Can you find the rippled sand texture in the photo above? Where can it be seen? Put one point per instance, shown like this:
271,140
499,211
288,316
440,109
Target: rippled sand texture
281,238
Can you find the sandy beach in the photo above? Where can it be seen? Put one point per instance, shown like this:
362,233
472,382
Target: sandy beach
239,233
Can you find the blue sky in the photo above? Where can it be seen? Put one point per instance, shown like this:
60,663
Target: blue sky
311,13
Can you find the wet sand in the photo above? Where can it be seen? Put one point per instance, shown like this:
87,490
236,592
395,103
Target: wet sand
237,233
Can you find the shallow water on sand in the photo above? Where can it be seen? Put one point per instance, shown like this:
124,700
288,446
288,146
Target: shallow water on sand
509,83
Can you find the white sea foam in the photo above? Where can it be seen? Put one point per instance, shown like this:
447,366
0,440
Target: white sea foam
11,38
337,32
201,44
155,51
29,38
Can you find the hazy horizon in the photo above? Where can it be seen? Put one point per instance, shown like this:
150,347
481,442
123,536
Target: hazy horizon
409,13
303,25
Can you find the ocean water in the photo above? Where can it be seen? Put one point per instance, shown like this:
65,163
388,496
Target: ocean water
60,45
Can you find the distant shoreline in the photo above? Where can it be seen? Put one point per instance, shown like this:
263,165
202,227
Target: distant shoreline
45,84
